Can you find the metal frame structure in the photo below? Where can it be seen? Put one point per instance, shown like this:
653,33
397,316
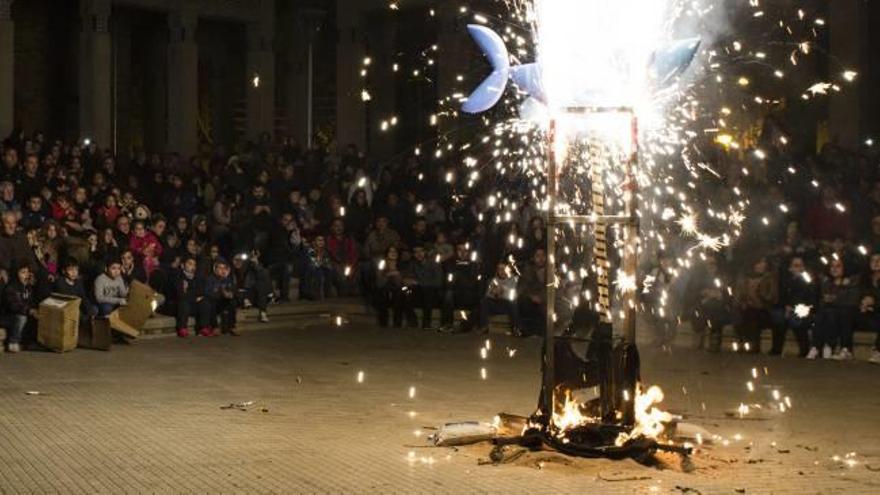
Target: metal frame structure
601,221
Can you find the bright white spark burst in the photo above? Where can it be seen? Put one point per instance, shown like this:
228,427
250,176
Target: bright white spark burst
691,200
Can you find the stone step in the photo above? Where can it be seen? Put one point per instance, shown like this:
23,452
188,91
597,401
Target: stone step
279,314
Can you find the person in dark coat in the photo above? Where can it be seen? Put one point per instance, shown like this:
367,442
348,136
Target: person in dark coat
798,297
838,308
70,283
189,290
462,290
425,278
253,284
869,306
19,306
14,248
219,302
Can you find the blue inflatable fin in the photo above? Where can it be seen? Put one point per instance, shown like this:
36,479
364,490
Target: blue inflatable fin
672,60
490,91
528,78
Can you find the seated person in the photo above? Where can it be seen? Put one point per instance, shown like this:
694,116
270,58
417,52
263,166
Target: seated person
70,283
461,291
189,294
19,306
253,284
532,293
500,299
794,291
424,277
131,269
869,308
321,279
391,295
220,301
111,291
712,309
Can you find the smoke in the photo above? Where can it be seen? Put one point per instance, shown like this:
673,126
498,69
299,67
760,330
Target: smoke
708,20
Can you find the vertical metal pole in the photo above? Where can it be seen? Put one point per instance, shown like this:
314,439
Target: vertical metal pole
631,248
550,277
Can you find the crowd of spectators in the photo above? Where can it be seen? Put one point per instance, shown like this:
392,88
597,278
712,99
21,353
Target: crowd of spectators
226,231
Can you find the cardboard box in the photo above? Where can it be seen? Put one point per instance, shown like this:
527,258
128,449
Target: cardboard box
96,334
58,325
130,319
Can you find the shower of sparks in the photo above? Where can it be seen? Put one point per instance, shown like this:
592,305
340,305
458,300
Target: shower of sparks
700,139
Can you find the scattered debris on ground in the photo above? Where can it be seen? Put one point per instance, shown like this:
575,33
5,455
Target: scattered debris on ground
245,406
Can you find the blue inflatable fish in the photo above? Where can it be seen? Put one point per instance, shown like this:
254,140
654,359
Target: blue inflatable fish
664,66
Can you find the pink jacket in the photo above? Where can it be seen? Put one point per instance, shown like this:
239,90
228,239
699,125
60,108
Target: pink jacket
137,244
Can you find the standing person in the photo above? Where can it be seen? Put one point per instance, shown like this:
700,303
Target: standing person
796,296
425,278
838,307
19,306
220,301
756,293
869,308
111,290
500,298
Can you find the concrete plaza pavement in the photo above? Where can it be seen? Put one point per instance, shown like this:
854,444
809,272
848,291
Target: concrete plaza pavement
147,418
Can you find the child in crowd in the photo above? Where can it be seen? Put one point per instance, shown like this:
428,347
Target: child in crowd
111,291
69,283
190,292
220,298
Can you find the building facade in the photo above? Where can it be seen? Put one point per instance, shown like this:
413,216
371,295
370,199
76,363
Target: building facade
174,75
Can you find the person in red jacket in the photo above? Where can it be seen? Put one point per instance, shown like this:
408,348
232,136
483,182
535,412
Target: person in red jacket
141,239
828,218
344,256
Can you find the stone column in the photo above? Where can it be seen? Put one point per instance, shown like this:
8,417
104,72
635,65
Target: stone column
350,108
383,84
261,75
848,36
183,83
453,41
95,73
293,74
7,66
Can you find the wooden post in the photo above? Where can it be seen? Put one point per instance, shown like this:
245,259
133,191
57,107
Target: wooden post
550,278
